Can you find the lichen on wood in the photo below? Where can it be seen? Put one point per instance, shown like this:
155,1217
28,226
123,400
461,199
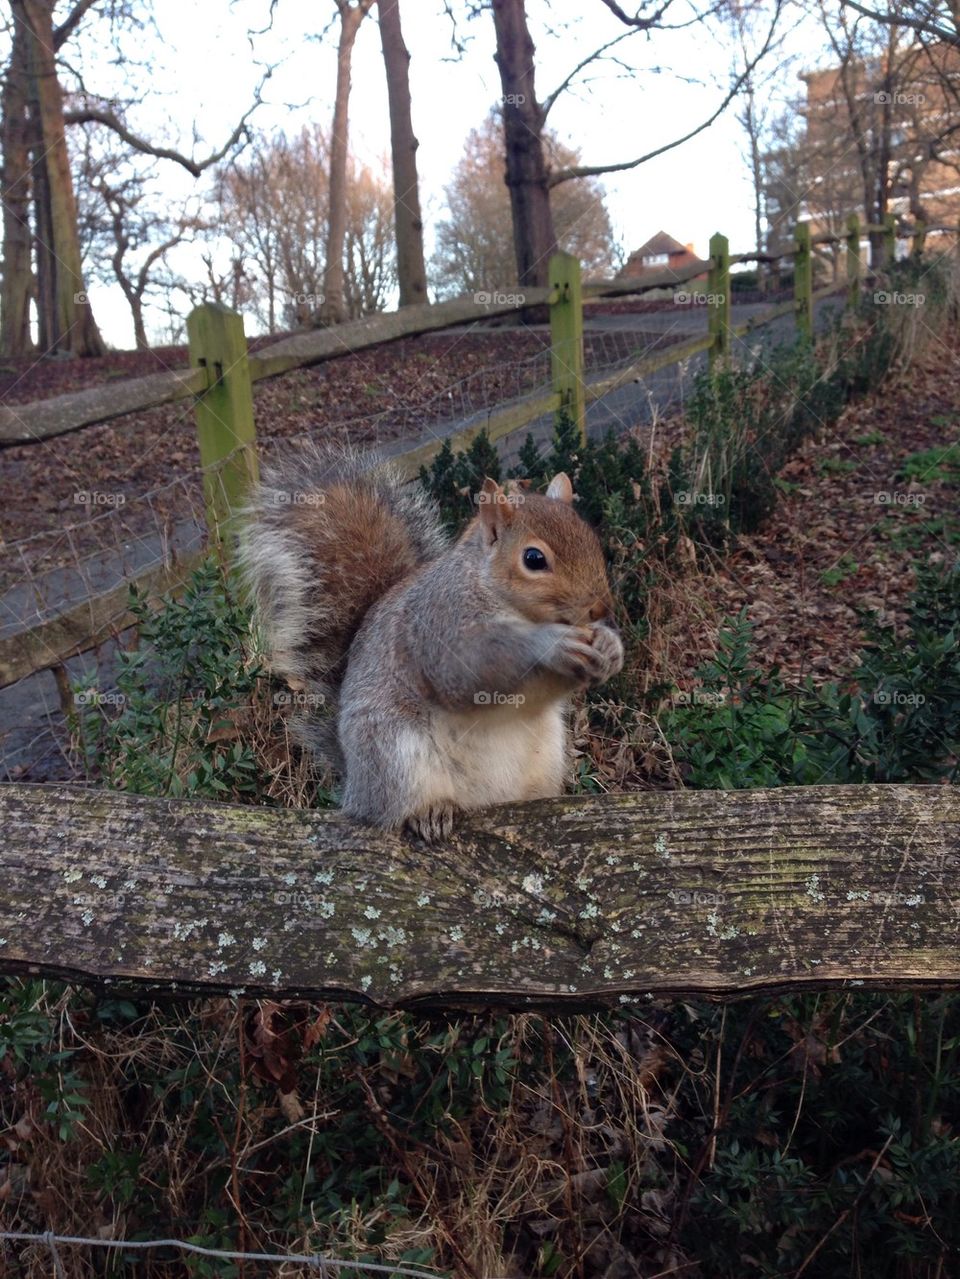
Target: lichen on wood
560,904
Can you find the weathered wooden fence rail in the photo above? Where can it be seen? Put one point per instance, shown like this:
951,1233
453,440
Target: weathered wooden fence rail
561,904
223,373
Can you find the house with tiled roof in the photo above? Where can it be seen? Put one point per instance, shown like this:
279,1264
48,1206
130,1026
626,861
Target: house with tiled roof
661,252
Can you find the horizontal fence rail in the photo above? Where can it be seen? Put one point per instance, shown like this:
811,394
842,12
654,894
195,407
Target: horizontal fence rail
221,381
563,904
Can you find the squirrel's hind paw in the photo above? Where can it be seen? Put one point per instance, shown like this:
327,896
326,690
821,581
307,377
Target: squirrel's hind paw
433,824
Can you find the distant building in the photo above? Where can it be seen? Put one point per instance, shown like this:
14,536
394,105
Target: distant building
661,252
880,136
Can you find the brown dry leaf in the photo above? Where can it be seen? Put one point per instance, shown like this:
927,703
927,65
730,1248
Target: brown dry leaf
317,1029
231,726
270,1046
290,1106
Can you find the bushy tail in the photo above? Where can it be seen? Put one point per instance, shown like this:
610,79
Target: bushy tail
326,534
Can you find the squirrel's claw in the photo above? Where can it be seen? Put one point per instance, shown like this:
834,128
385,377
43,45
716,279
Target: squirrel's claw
433,824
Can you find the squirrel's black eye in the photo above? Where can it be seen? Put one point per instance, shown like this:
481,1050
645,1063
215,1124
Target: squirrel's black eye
534,559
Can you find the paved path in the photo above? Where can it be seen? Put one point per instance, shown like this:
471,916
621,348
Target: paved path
31,722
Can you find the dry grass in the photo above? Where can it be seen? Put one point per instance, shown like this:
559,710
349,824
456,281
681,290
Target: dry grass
569,1155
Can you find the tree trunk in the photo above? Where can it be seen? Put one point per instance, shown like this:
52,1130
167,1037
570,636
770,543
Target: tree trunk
139,331
332,307
408,226
756,172
534,238
66,320
17,275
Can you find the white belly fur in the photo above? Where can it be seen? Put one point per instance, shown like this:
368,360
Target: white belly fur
491,755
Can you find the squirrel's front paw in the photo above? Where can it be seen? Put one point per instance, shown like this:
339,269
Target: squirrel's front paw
586,654
608,647
433,824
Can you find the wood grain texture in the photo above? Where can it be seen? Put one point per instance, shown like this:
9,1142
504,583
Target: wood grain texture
43,419
561,904
313,345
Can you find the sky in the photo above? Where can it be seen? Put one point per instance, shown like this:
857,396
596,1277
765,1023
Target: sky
201,76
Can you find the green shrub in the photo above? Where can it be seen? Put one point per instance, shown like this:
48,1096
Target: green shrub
192,668
896,720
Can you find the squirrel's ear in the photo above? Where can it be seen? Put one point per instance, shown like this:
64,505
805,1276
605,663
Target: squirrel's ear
496,510
560,488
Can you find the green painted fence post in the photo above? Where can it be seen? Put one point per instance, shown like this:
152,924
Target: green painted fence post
224,411
803,280
854,266
566,338
889,239
718,299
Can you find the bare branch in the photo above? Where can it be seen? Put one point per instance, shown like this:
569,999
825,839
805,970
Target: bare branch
597,170
565,83
100,115
73,19
923,25
637,22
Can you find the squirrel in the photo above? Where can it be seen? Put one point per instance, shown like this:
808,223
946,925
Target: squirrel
449,666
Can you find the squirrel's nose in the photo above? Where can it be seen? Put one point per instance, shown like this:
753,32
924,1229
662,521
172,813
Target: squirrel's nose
600,612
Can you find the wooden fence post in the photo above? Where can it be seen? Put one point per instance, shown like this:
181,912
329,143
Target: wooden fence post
718,299
566,338
224,411
889,239
803,281
854,266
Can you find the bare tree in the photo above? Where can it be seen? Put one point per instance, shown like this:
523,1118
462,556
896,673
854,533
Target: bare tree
938,20
534,236
370,250
889,111
529,177
273,206
332,307
65,318
37,175
17,285
408,224
753,114
474,249
124,237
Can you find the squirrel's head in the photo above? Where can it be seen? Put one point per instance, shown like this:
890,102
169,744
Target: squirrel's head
544,558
